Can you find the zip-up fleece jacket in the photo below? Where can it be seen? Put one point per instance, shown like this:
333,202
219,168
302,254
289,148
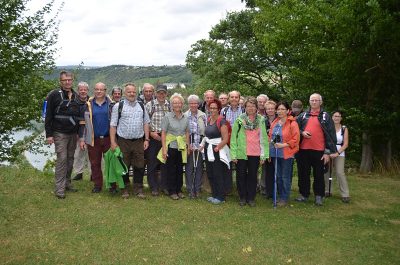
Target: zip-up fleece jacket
290,136
89,131
327,125
239,142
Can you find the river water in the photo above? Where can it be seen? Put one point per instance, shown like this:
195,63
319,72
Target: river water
36,159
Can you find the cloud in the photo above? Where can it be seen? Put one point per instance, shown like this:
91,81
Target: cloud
152,32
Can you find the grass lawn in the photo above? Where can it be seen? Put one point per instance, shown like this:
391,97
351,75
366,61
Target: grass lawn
86,228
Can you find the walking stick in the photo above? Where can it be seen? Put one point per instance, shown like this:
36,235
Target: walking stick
275,182
195,162
330,177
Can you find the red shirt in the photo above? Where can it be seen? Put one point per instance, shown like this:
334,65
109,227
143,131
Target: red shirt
253,147
317,140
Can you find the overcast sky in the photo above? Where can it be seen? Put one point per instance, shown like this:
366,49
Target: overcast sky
134,32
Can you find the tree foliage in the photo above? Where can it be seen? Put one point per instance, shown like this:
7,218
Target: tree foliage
234,58
26,54
347,50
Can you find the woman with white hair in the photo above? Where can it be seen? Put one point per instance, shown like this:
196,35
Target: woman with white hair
194,166
174,139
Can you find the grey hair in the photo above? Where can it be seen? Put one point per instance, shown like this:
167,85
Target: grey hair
316,94
177,95
116,88
262,96
148,85
84,84
193,97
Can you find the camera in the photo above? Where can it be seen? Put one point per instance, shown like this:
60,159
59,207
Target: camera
276,139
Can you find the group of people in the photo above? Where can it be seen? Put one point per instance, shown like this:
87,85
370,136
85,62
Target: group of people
155,133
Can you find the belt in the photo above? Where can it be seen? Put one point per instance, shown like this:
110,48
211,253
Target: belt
132,140
101,137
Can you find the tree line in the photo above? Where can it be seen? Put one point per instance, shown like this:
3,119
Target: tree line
347,50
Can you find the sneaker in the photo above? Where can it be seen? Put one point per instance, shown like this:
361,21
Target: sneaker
282,203
181,195
242,203
125,194
217,201
252,203
155,193
346,199
78,177
301,198
318,200
210,199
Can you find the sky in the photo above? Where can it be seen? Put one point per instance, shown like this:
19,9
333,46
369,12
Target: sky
134,32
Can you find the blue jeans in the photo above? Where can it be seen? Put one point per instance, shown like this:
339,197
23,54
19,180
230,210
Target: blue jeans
284,177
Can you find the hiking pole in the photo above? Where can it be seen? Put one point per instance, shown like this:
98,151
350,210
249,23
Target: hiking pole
330,177
195,162
275,177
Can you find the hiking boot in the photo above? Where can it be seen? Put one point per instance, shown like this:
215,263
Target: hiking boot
113,191
346,199
138,190
71,189
155,193
301,198
125,194
78,177
96,190
318,200
60,196
242,203
174,197
181,195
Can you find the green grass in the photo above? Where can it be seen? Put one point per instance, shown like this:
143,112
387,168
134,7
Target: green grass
86,228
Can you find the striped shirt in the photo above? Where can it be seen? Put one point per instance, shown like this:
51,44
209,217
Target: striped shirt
130,125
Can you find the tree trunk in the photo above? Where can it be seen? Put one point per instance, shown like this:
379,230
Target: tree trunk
388,155
366,158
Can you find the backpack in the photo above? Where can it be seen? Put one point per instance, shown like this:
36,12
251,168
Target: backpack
228,125
342,129
121,105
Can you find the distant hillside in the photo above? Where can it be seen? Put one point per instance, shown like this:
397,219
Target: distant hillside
117,75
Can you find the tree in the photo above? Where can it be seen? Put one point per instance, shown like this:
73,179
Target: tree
234,58
348,51
26,54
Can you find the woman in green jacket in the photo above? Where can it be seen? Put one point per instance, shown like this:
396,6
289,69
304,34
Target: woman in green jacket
249,148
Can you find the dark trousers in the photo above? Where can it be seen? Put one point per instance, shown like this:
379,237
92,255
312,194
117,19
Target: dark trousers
216,173
306,160
174,168
228,182
133,152
153,164
101,145
269,169
246,177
